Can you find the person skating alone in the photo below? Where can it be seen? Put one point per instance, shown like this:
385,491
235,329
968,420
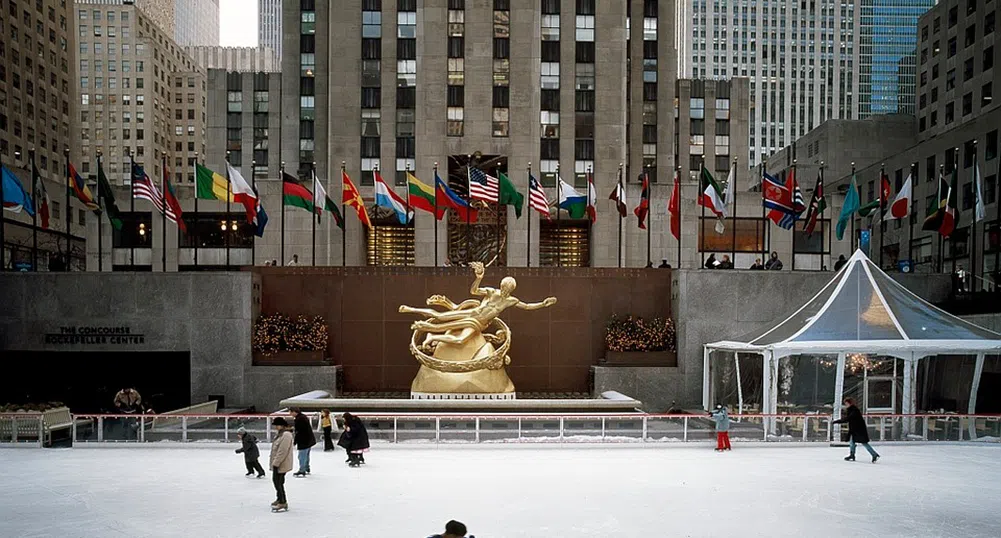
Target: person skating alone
453,529
304,440
722,428
354,440
250,452
328,426
858,432
281,462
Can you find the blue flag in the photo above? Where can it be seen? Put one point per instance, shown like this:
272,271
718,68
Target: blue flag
14,197
261,220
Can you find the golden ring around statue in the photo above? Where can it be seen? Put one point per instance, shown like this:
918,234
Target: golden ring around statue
495,361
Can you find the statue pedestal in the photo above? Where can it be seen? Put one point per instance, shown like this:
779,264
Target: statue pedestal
491,384
454,396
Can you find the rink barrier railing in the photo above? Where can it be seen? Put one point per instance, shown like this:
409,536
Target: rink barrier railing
21,429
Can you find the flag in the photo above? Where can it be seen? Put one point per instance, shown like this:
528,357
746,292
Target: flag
980,213
351,197
817,206
319,197
508,195
40,196
848,210
422,196
210,185
573,202
334,210
592,198
108,198
241,192
143,188
901,206
482,186
711,196
884,190
537,196
387,197
933,222
448,199
80,189
729,198
170,200
14,196
260,218
619,197
785,201
674,207
295,194
644,207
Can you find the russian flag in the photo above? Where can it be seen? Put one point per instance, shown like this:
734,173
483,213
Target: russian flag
386,197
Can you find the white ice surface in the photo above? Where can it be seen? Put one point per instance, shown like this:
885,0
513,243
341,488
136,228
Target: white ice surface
756,490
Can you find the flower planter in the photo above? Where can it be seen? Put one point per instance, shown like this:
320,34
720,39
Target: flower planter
640,358
292,358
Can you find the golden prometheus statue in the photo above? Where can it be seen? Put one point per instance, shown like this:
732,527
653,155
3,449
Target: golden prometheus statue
463,348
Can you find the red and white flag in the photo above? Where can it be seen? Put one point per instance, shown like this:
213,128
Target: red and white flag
901,206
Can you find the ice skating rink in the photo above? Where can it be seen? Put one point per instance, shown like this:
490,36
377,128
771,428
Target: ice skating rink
519,491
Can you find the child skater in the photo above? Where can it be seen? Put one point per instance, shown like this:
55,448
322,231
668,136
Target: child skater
722,428
250,452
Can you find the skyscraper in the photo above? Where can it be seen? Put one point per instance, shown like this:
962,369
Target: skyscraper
269,25
188,22
888,35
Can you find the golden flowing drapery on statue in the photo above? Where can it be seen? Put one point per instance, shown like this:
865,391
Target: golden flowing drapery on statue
463,348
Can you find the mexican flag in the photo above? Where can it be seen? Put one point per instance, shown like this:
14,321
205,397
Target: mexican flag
712,195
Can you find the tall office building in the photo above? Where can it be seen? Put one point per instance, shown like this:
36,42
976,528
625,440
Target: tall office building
38,105
269,25
188,22
887,39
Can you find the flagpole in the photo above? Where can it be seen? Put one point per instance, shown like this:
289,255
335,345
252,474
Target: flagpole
408,211
973,225
497,234
312,169
617,202
344,217
941,238
853,214
163,227
559,237
733,217
528,244
68,211
910,219
824,206
702,217
100,238
792,192
649,216
375,230
3,217
253,187
882,203
197,222
590,224
764,216
132,206
34,218
282,178
469,200
680,220
435,213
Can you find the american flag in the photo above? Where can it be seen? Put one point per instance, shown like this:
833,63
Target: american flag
143,188
482,186
537,196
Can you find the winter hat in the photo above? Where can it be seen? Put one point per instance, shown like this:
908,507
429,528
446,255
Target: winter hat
241,430
719,406
280,422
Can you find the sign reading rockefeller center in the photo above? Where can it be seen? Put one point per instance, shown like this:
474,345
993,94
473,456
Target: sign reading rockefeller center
84,335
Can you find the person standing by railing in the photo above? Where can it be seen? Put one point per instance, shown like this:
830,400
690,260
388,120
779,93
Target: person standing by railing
857,430
304,441
280,462
722,428
128,401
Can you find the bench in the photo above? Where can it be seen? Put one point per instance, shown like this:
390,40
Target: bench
53,421
206,408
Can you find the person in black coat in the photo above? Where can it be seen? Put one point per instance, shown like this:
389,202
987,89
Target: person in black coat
304,440
857,430
354,440
250,452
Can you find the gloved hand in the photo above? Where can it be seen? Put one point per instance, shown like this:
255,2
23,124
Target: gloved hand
237,451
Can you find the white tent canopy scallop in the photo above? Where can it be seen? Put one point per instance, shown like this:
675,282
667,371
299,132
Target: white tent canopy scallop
862,310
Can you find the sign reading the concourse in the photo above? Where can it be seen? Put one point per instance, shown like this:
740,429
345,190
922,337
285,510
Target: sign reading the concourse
95,336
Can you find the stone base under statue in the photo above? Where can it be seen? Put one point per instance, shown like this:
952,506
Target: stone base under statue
438,396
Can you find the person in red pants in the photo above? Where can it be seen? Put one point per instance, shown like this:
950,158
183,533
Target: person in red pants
722,428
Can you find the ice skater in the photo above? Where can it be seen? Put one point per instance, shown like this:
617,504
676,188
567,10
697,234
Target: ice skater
304,440
858,432
250,452
453,529
281,462
354,440
328,426
722,428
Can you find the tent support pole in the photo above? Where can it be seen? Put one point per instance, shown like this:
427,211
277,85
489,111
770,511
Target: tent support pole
910,368
705,377
978,371
839,392
740,389
773,403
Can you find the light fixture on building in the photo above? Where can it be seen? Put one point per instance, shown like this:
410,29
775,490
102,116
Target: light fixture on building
222,226
142,229
233,225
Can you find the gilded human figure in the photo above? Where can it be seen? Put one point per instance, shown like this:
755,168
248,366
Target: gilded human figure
464,357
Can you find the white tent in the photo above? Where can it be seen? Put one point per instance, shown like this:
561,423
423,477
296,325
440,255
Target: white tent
862,310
